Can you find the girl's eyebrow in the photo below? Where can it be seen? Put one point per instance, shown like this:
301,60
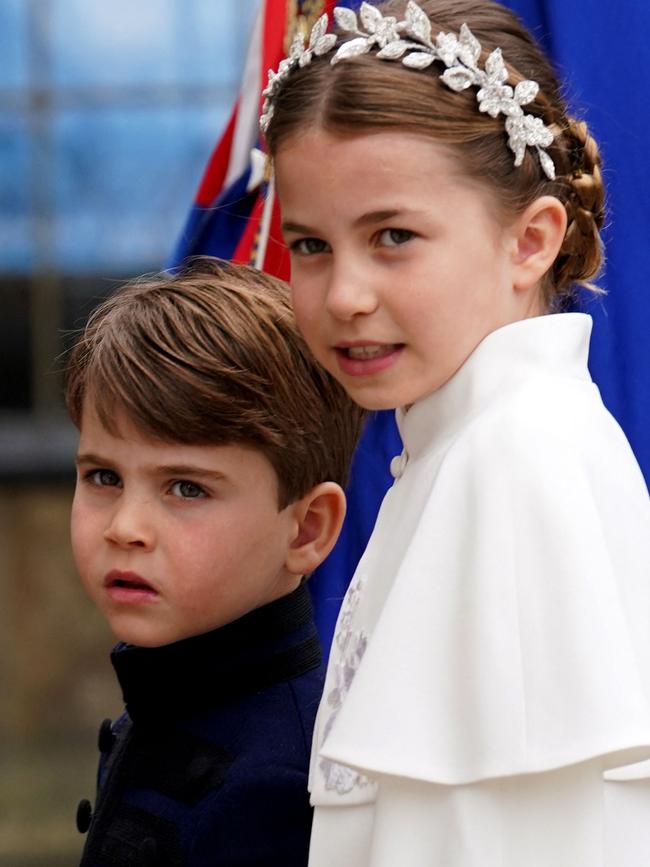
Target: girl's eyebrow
296,228
373,217
370,218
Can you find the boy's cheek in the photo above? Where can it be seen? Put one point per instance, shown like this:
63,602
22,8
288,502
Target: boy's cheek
83,534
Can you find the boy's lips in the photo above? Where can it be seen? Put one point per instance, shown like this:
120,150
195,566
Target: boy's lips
365,358
128,587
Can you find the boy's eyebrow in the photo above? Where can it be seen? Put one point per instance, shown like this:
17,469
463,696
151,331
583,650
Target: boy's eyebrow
365,219
188,470
162,469
90,458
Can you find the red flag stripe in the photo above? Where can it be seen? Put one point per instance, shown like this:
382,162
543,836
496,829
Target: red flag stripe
215,172
275,25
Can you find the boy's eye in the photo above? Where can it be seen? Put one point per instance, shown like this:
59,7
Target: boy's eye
394,237
104,478
187,490
310,246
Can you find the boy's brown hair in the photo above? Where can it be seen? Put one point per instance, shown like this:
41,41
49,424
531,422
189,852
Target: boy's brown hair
211,355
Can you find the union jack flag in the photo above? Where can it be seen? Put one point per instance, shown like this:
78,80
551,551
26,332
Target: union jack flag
235,214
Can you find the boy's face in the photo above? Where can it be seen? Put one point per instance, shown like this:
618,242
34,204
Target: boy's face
175,540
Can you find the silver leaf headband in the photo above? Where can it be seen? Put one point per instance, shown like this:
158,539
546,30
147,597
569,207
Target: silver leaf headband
417,49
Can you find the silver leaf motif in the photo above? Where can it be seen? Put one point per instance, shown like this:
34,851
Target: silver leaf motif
457,78
353,48
526,91
496,99
459,54
417,23
393,50
546,163
418,60
325,44
386,32
447,47
346,19
495,67
470,47
296,49
318,30
371,17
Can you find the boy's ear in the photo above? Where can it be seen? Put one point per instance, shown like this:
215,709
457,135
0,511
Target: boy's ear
318,521
539,233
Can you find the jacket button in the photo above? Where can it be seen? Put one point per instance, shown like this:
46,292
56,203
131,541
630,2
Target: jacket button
106,737
84,815
398,465
148,851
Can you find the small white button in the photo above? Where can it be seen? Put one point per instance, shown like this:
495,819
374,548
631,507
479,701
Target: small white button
398,465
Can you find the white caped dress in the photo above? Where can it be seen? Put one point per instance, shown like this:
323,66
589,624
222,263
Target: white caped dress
492,654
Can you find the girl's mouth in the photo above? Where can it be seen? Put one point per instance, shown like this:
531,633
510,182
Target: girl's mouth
378,350
366,359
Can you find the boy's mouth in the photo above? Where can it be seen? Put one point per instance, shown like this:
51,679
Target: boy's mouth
125,585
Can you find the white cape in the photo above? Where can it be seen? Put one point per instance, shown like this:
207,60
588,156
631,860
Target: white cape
492,656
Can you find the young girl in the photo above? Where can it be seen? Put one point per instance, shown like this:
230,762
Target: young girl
492,654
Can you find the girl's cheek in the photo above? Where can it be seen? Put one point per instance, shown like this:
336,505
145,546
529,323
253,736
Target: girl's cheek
303,313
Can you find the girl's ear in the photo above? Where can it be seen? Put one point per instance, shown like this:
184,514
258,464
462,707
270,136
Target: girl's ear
318,521
539,233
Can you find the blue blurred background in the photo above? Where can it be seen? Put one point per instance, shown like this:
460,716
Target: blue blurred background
108,114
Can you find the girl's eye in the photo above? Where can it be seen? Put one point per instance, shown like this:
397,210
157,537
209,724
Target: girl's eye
187,490
104,478
395,237
310,246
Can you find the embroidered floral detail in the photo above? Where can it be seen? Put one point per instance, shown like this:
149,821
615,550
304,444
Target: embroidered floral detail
350,646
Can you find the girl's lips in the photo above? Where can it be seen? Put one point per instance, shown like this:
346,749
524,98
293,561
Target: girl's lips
365,359
128,587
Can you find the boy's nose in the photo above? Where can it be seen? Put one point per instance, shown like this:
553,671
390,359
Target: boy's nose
131,525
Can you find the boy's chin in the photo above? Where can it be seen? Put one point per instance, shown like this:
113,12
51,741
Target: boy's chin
151,636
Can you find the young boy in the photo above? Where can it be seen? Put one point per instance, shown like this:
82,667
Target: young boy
212,455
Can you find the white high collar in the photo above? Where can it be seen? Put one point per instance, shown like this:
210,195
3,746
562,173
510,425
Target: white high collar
556,344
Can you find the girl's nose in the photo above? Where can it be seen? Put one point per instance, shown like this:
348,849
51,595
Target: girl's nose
350,293
132,525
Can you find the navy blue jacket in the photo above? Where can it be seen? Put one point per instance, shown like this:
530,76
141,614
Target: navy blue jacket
208,765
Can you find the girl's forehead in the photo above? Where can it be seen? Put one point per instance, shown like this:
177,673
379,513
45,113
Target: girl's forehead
367,171
317,136
400,156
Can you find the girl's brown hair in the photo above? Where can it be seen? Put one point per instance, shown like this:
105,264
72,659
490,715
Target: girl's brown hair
367,94
212,356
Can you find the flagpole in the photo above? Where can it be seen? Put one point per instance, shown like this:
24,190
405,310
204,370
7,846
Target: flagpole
265,225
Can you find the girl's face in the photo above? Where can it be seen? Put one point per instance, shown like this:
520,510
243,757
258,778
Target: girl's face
399,268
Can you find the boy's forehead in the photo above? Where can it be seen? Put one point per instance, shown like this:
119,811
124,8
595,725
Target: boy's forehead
113,421
124,438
